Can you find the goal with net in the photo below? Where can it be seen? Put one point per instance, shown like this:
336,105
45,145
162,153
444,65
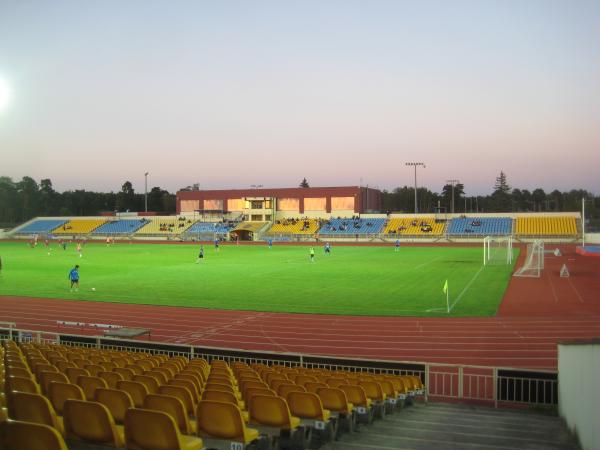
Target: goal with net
534,261
497,250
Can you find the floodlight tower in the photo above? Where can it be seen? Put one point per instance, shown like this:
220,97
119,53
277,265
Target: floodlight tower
415,165
146,191
452,183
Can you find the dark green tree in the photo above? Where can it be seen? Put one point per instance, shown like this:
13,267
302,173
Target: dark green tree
304,183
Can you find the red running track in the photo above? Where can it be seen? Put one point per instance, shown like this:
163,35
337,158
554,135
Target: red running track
535,315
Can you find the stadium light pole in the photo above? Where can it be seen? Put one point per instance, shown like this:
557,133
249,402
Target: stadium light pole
415,165
453,183
146,191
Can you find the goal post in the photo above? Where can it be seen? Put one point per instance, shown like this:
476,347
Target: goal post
534,261
497,250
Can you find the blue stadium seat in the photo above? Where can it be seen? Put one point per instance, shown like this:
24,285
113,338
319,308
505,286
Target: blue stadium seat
42,226
352,226
210,227
480,226
125,226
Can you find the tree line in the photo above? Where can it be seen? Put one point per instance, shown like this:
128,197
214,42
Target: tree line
502,199
25,199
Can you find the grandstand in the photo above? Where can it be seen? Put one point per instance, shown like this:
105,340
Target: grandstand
94,396
480,226
352,226
123,226
209,229
414,226
79,226
41,226
291,226
562,226
165,226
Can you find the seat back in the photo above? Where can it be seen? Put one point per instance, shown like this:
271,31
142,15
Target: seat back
305,405
271,411
26,435
19,372
136,390
111,378
89,385
221,420
182,393
312,386
93,369
355,394
285,389
126,373
189,385
148,429
170,405
372,390
48,377
33,408
150,382
59,393
116,401
219,396
333,399
22,384
90,421
75,372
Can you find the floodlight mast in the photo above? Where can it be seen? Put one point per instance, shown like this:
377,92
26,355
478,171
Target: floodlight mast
146,191
415,165
453,183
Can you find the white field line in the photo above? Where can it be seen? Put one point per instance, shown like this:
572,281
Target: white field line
466,288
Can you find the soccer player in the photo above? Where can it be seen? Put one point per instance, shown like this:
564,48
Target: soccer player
270,243
74,277
217,244
79,249
312,254
397,249
327,248
201,254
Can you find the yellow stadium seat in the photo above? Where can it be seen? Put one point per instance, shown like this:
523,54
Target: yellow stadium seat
79,226
20,435
111,378
414,226
146,429
136,390
90,384
272,411
33,408
150,382
182,393
91,422
223,420
59,393
116,401
307,405
45,378
173,407
22,384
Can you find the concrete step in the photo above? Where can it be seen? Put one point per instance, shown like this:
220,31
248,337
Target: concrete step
438,426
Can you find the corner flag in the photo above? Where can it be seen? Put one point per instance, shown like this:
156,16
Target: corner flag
445,291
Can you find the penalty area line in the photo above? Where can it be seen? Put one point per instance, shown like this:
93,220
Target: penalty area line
466,288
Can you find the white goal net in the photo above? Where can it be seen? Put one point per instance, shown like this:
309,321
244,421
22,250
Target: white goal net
497,250
534,261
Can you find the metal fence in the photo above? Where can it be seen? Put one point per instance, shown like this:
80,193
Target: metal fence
445,382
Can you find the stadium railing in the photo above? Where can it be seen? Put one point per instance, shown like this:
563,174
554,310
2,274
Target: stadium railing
494,386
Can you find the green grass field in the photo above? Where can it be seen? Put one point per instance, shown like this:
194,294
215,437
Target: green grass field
352,280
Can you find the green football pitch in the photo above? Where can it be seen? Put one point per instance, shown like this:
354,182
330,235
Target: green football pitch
352,280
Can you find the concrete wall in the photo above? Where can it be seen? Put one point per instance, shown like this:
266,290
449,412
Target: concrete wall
579,390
